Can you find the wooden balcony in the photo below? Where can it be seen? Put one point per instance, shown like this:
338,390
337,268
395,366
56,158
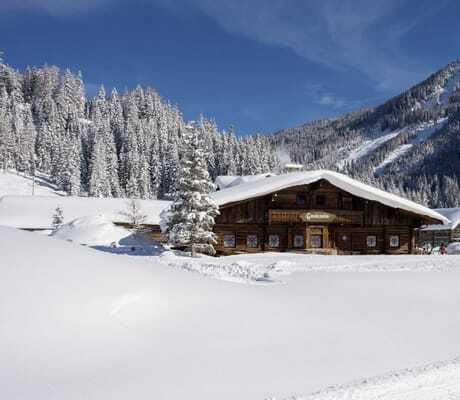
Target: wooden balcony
277,216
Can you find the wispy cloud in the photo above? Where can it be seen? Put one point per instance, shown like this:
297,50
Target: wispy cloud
361,35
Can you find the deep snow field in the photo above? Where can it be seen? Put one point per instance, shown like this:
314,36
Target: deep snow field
78,323
16,183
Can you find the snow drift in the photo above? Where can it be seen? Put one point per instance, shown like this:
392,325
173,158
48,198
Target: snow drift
91,230
76,323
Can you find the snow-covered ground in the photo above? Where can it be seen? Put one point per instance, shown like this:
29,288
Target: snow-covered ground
77,323
439,381
14,183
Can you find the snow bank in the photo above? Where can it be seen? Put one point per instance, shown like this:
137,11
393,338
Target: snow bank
35,212
453,248
91,230
435,381
275,183
76,323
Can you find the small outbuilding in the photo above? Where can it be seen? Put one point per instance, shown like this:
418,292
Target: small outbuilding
431,236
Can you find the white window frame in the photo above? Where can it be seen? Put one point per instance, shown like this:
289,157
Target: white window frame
296,241
394,241
371,241
229,240
276,244
252,244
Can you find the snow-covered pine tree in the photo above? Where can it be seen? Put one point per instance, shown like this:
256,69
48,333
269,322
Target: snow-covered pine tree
58,218
193,211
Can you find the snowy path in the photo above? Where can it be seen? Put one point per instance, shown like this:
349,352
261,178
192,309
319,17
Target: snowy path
270,267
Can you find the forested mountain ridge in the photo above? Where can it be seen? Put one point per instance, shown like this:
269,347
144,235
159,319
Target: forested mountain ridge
126,145
130,144
409,145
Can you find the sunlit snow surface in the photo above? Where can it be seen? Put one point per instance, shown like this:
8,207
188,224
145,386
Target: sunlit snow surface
77,323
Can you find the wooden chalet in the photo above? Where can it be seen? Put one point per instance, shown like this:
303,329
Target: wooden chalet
318,212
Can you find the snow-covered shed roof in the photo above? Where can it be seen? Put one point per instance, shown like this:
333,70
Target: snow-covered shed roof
452,214
270,185
35,212
226,181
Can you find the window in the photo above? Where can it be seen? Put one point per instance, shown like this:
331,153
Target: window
298,241
316,241
229,240
394,241
274,241
371,241
320,200
301,199
251,240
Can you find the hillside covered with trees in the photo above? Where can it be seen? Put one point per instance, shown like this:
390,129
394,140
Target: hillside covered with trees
112,145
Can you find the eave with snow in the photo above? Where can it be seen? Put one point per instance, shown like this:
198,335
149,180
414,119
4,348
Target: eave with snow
317,211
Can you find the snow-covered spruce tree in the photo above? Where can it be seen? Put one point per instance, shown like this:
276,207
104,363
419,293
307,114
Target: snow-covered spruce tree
192,212
58,218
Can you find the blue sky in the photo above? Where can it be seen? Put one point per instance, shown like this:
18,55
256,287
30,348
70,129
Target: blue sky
259,65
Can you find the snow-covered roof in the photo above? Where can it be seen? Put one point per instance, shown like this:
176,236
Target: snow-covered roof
352,186
35,212
452,214
226,181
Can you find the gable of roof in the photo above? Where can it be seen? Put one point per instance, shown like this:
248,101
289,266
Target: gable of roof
273,184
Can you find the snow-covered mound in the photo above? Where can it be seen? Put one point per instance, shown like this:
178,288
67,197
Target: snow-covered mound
91,230
80,324
453,248
14,183
36,212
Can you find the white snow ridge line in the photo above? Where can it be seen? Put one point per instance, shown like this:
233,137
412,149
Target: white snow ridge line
438,381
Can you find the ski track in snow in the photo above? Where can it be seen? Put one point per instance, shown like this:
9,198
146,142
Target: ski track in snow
424,131
367,147
440,381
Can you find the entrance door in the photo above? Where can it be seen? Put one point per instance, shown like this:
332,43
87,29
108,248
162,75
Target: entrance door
316,241
315,237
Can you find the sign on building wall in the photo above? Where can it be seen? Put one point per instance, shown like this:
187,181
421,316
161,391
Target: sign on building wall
317,216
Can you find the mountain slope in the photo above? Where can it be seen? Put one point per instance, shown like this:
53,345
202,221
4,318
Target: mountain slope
409,144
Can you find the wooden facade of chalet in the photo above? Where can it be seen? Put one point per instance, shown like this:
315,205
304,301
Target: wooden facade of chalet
319,218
